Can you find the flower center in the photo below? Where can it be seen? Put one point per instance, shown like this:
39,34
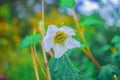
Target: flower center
60,37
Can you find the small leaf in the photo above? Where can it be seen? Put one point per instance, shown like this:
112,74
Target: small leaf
63,69
108,72
30,40
116,59
105,48
91,21
67,3
116,39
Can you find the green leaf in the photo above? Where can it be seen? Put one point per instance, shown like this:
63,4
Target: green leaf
63,69
108,72
105,48
67,3
91,21
116,59
30,40
116,39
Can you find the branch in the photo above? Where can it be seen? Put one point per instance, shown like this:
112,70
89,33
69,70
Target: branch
37,60
82,30
34,63
43,50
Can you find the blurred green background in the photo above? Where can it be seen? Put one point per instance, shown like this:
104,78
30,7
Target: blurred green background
19,18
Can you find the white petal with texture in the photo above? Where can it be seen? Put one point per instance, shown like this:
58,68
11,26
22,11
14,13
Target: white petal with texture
48,43
71,43
52,29
59,50
48,39
68,30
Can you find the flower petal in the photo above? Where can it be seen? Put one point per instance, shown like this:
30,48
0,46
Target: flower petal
48,39
52,29
48,43
68,30
71,43
59,50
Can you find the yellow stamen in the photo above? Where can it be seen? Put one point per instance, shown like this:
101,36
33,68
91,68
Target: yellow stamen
60,37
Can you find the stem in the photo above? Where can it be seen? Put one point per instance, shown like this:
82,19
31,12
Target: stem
50,53
46,62
78,27
37,59
86,50
34,63
43,31
43,50
89,54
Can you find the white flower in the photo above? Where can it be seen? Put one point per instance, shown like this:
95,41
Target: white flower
60,39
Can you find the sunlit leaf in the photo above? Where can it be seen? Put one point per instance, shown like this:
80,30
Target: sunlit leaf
105,48
108,72
91,21
87,72
63,69
116,58
116,39
67,3
30,40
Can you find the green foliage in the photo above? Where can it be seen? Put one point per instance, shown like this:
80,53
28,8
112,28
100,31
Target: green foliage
116,41
21,67
116,59
116,56
30,40
109,72
84,45
97,35
105,48
63,69
90,21
21,72
67,3
5,11
88,69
